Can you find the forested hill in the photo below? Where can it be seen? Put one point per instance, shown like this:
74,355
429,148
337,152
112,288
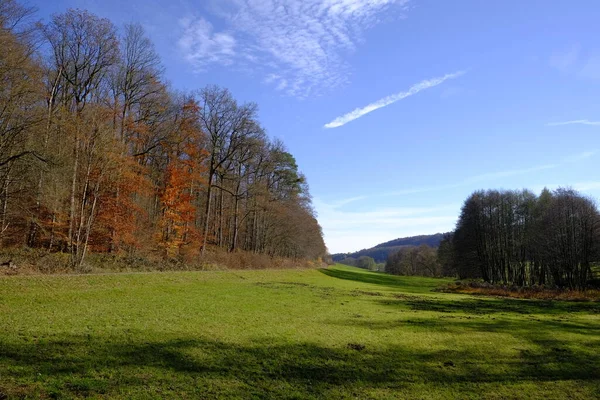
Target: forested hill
380,252
98,153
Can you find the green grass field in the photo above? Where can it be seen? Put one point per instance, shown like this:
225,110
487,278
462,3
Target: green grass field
334,333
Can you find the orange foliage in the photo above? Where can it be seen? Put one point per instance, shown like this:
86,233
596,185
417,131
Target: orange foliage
119,213
184,176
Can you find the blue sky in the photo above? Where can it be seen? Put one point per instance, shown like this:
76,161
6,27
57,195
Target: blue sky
396,110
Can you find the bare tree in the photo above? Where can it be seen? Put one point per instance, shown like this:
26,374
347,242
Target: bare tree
518,238
136,74
225,123
84,48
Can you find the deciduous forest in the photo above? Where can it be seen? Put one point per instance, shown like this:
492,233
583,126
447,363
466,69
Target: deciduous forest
99,154
518,238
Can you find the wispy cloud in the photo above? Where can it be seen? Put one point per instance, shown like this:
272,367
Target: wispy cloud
575,122
299,44
202,46
386,101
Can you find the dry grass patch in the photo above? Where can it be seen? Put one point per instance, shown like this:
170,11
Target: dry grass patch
537,293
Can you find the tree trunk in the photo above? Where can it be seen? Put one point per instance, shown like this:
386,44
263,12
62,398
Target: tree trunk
207,212
72,194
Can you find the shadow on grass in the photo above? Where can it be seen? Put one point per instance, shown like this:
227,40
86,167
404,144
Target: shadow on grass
80,366
412,284
478,306
528,328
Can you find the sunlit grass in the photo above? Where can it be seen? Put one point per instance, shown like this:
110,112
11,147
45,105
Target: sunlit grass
334,333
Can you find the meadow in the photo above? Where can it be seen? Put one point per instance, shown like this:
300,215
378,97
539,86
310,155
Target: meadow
332,333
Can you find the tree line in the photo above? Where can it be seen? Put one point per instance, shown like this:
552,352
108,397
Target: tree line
518,238
408,260
364,262
97,153
415,261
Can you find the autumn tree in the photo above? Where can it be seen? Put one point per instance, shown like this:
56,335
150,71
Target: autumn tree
182,183
20,100
98,154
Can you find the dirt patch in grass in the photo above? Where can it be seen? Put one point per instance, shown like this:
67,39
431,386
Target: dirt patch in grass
364,293
281,285
402,296
356,346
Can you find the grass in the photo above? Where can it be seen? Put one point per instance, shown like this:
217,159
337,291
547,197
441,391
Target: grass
333,333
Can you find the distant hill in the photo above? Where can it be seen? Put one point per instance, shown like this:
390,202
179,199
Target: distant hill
380,252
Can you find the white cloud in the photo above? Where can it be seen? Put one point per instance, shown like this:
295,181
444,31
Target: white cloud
575,122
282,85
386,101
299,44
202,46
